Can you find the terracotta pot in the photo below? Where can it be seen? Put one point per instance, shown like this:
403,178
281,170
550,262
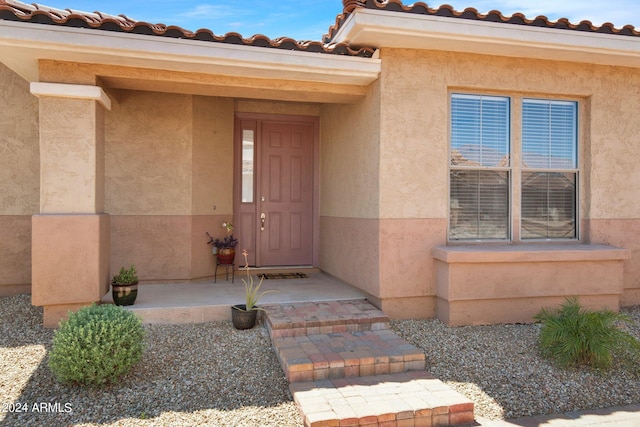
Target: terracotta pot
124,294
226,256
242,319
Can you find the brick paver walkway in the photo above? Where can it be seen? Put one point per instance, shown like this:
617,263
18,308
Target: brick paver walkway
346,368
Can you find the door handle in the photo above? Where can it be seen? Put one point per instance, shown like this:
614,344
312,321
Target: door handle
262,219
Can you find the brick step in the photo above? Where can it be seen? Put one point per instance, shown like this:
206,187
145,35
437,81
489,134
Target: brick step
402,399
346,354
310,318
346,367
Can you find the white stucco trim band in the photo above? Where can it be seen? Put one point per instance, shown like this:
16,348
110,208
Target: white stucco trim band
62,90
22,44
379,29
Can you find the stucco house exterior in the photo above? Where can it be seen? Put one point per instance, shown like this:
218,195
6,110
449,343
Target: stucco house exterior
448,163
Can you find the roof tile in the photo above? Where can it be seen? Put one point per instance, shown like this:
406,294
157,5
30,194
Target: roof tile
36,13
471,13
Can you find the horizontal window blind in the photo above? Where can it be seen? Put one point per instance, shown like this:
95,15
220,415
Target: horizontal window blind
549,142
479,131
480,168
480,158
549,209
549,134
479,205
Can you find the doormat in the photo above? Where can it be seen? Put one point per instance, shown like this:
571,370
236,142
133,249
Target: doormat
282,276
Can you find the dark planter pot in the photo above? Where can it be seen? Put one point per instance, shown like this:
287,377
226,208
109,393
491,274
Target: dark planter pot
226,256
124,294
242,319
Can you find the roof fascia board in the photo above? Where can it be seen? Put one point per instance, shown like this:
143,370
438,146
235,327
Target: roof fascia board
28,42
379,29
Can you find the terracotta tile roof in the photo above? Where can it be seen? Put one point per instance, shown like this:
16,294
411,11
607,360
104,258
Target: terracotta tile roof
13,10
473,14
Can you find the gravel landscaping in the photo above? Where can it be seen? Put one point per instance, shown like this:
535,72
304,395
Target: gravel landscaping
498,367
212,374
191,375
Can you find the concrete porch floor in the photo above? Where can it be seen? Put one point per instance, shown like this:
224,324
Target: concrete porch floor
205,301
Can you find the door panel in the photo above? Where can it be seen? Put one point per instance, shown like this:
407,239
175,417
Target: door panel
286,194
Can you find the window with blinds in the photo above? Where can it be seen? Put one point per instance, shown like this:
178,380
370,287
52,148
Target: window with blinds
479,167
549,169
481,203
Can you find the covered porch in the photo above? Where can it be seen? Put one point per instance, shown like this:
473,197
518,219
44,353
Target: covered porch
203,300
138,156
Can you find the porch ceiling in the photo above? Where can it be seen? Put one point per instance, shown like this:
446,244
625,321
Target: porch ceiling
132,61
379,29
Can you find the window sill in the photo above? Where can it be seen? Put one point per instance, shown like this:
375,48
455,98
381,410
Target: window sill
479,253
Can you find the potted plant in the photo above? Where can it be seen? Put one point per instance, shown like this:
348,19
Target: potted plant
243,316
124,286
224,249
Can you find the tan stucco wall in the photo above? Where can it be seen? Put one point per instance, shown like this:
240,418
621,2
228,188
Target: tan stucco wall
349,168
622,233
19,155
349,250
350,158
414,118
366,156
70,262
413,136
19,179
15,254
70,242
212,178
71,156
400,146
384,169
414,140
148,154
484,285
212,156
169,163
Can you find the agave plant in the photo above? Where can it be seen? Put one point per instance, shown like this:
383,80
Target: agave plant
251,290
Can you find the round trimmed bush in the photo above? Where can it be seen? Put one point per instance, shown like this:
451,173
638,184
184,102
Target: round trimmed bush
96,345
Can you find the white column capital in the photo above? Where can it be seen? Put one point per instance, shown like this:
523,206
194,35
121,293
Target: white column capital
64,90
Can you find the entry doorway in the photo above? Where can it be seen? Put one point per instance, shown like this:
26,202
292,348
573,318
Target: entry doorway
276,189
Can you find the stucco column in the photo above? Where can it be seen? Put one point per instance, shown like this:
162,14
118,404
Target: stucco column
71,235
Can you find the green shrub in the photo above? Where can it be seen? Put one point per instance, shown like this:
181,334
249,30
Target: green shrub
573,336
126,276
96,345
